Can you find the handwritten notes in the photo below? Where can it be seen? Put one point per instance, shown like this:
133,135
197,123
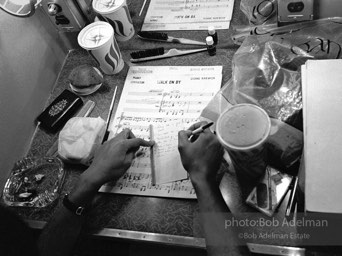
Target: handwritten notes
168,165
161,96
188,14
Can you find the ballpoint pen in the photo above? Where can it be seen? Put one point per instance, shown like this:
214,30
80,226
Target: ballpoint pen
200,129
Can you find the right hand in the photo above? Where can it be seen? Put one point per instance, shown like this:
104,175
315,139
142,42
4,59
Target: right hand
201,158
114,157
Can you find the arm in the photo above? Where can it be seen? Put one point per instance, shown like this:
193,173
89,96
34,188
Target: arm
111,161
202,159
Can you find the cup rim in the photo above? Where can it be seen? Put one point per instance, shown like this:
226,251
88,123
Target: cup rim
246,147
109,10
86,28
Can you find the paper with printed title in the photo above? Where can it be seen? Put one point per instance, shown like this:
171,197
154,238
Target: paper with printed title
188,15
161,96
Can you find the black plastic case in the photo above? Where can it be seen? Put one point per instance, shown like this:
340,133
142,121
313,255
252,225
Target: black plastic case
54,117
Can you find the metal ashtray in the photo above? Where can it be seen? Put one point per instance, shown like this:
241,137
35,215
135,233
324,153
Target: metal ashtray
34,182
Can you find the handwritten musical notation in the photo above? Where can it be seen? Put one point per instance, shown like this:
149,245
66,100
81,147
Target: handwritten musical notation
169,107
188,14
140,184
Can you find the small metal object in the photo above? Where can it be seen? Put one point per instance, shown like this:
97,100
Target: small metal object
53,9
275,250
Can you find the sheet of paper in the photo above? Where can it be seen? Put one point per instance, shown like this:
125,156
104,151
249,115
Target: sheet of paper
159,95
168,165
188,14
322,101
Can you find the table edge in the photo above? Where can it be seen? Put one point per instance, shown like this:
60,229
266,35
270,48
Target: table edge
134,236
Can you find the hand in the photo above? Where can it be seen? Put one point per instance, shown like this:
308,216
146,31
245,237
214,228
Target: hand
201,156
114,157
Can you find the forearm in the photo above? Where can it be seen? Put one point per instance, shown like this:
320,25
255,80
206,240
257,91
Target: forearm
61,233
214,212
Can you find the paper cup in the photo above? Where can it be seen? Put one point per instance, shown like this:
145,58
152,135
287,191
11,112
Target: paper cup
117,14
98,38
243,130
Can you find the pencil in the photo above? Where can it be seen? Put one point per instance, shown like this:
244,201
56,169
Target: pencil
200,129
153,170
142,8
105,137
270,206
290,204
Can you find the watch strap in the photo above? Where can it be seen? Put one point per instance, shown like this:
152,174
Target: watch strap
77,210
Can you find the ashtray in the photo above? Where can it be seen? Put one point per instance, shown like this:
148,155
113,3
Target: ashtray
34,182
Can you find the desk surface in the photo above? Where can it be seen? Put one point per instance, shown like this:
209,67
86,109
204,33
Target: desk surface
170,221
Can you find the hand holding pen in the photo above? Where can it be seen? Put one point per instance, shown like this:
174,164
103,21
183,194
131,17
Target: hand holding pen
196,132
201,157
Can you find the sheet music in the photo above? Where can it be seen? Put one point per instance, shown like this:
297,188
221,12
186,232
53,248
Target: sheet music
188,14
160,95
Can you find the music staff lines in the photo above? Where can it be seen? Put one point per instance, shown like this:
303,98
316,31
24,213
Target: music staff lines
196,6
169,103
172,94
166,111
131,180
179,2
129,119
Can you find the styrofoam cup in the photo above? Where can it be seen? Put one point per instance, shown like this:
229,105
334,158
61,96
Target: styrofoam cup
98,38
117,14
242,130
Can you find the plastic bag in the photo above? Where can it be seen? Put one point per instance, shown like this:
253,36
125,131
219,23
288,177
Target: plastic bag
309,35
266,68
266,72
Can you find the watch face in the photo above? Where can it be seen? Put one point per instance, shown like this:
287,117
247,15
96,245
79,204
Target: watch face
78,210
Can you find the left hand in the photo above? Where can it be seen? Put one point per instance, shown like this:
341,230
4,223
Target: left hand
114,157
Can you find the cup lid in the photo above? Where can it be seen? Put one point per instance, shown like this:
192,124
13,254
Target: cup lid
95,35
243,127
106,6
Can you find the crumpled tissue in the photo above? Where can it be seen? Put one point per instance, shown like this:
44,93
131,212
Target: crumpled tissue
80,138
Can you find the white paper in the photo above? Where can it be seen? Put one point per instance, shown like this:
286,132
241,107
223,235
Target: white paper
160,95
322,101
188,14
167,161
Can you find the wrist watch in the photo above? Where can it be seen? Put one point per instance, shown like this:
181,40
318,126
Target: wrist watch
78,210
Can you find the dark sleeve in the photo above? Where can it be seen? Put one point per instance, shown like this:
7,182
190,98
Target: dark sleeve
16,238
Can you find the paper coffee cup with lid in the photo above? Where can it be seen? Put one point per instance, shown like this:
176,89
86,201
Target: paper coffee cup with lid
98,38
116,13
243,130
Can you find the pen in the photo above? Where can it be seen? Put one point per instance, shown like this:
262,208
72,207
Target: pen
292,197
270,206
200,129
105,137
